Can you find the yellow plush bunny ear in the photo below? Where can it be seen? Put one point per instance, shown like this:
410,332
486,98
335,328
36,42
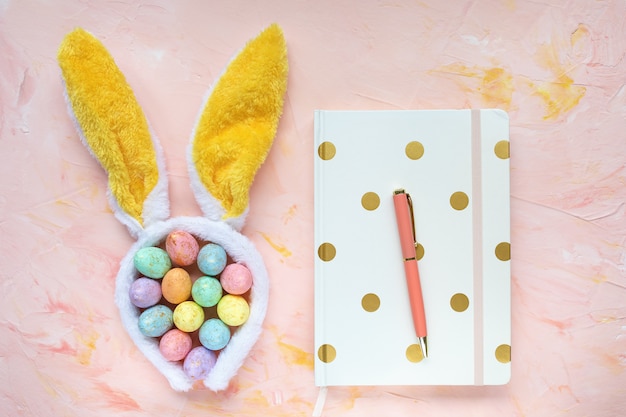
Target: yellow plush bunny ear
237,127
114,128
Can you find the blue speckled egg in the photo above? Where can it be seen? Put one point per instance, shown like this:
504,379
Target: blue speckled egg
155,321
152,262
212,259
214,334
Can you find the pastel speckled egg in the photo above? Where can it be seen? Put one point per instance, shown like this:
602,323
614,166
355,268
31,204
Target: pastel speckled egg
233,310
199,362
236,279
144,292
188,316
206,291
175,345
214,334
211,259
182,247
155,321
152,262
176,285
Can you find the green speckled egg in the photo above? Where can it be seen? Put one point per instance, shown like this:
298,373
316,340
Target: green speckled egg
152,262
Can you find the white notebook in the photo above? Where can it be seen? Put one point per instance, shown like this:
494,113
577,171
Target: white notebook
455,166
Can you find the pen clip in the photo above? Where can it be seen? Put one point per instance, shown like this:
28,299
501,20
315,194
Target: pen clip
409,202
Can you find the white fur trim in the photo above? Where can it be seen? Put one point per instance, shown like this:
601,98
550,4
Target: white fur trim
133,226
156,207
241,250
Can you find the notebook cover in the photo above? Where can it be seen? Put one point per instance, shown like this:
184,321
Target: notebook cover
455,166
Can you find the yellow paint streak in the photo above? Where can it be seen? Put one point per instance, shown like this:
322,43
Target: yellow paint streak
494,84
459,69
295,356
560,95
297,402
599,278
45,383
87,346
578,35
257,399
355,393
497,87
291,212
608,319
277,247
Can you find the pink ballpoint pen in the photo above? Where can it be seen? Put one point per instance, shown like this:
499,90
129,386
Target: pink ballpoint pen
408,243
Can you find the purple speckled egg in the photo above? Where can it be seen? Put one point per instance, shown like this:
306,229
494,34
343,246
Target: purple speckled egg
145,292
199,362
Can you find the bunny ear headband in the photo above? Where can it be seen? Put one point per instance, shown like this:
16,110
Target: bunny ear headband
231,139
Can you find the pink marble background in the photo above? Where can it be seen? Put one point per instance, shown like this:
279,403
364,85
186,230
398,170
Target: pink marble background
559,69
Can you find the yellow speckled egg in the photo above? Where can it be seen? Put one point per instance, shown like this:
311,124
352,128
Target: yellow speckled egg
176,285
233,310
188,316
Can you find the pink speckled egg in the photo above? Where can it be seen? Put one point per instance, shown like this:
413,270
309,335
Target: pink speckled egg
145,292
199,362
181,247
236,279
175,345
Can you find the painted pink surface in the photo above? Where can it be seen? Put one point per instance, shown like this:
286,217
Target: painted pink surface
558,68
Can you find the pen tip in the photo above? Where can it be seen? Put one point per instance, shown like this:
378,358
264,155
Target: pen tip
424,346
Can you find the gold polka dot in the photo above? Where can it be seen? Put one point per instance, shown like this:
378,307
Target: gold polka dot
459,200
326,151
503,251
370,302
326,252
459,302
502,149
370,201
327,353
414,353
503,353
419,252
414,150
